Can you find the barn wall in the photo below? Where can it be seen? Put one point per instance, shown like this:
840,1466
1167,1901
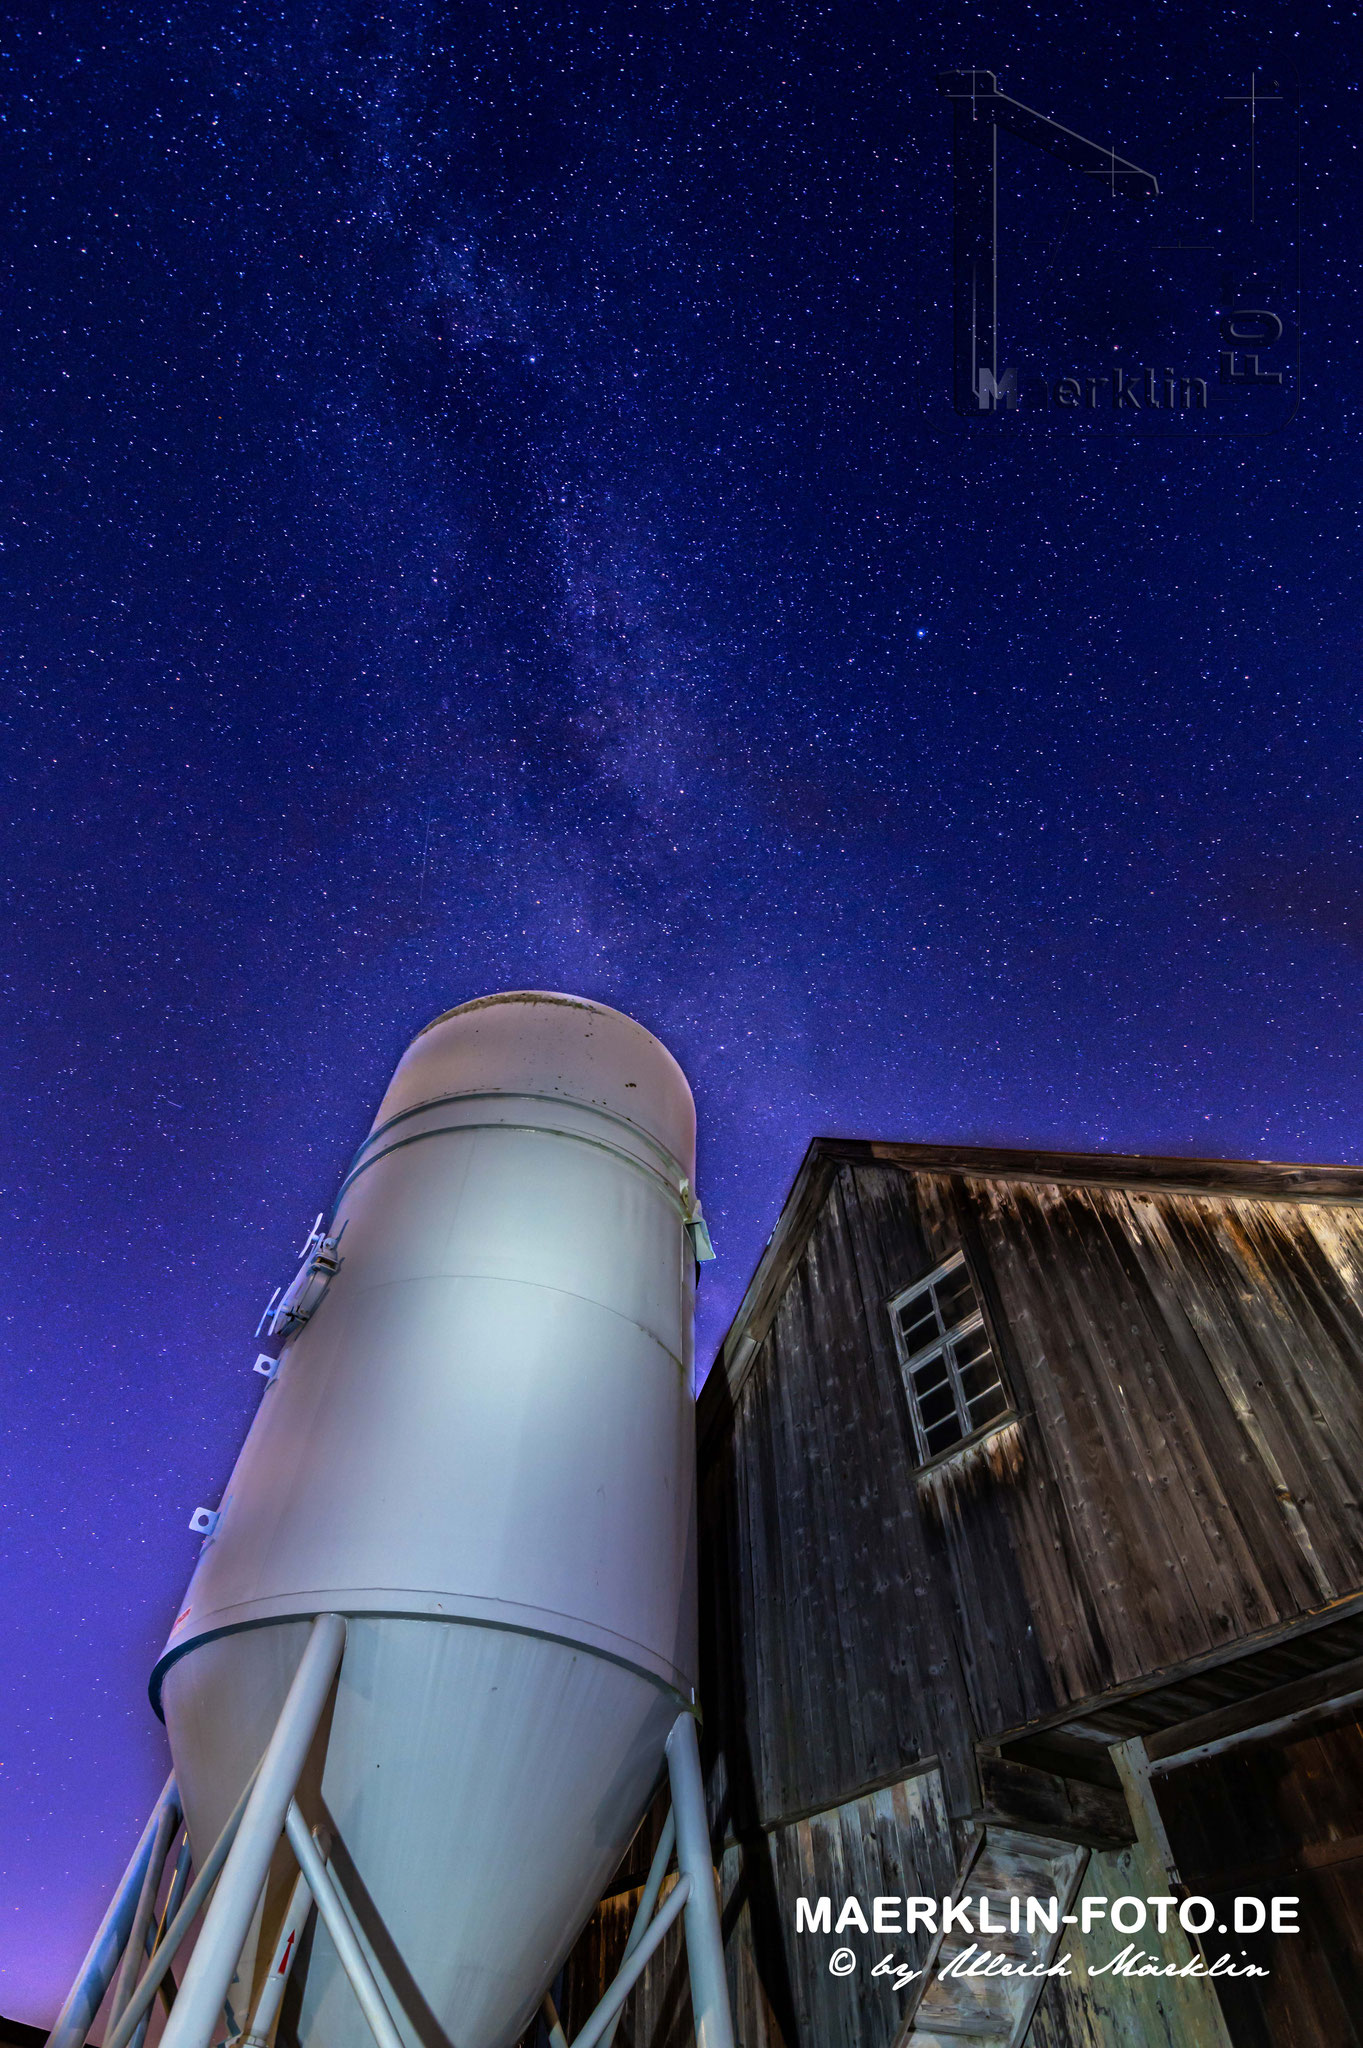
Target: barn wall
1282,1817
1188,1379
1189,1371
829,1664
893,1843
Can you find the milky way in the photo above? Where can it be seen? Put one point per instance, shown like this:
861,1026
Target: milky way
483,508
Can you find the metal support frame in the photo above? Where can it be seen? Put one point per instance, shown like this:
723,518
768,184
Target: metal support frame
175,1896
695,1894
167,1821
237,1867
630,1973
228,1920
179,1923
235,1873
648,1900
179,1885
166,1984
636,1959
281,1966
344,1939
96,1973
704,1936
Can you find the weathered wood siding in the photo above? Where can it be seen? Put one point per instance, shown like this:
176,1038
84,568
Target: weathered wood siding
1189,1374
832,1665
1184,1470
1080,2011
891,1843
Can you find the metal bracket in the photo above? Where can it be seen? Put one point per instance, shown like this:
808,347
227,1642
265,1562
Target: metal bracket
266,1366
269,1310
321,1261
204,1521
695,1226
698,1230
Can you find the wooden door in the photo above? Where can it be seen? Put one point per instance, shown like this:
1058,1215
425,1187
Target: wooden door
1280,1818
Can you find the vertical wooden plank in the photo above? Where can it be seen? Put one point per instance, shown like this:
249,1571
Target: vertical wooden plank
842,1474
771,1705
816,1672
1209,1449
1230,1325
1307,1342
1187,1507
1137,1579
929,1710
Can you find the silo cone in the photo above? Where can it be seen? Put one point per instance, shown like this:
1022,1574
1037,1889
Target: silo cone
478,1448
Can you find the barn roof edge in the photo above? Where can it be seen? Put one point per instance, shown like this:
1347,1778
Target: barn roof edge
1265,1179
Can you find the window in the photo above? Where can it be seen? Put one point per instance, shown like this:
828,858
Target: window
953,1380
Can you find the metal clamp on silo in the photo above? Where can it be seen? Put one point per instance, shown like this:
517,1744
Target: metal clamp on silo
696,1227
321,1262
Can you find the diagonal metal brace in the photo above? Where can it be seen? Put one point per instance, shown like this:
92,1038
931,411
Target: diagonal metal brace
344,1940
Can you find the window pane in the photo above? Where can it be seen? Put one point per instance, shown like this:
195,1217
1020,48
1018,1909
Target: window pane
936,1406
951,1375
918,1323
956,1297
941,1436
978,1378
974,1344
987,1405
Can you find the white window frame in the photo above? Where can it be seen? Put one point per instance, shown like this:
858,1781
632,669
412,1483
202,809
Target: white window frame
943,1345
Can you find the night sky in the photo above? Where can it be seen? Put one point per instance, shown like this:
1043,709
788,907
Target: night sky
482,508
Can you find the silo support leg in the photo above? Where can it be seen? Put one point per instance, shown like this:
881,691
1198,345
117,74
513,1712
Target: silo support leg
630,1972
179,1881
648,1900
281,1965
134,1953
178,1924
179,1885
343,1938
96,1972
704,1937
194,2016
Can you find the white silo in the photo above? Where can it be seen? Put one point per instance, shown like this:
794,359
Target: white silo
477,1453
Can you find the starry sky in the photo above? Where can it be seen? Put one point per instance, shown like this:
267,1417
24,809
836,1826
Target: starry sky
481,506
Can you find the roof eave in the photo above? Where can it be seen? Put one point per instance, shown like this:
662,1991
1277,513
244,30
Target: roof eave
1265,1179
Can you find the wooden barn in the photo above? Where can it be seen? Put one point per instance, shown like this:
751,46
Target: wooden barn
1032,1568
